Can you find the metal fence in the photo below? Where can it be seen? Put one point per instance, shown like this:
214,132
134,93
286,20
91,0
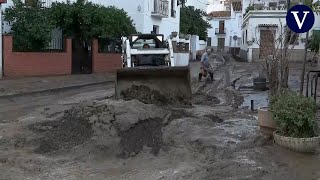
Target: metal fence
56,45
106,45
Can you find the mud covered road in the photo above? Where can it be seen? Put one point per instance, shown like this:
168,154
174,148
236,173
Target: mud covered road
85,134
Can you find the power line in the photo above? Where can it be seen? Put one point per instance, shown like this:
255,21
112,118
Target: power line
202,2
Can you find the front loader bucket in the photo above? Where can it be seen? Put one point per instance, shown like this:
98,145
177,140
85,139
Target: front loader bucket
155,85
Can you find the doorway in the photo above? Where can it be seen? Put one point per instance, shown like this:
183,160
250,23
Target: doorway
267,43
221,42
81,57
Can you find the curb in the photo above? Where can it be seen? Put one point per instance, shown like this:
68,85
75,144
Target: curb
55,89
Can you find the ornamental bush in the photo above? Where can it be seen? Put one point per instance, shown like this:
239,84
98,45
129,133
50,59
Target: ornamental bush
294,115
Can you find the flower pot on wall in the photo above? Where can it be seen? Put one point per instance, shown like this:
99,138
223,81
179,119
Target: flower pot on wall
174,34
297,144
265,120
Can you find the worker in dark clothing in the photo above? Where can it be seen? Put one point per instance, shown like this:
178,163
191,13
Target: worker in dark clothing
145,59
205,66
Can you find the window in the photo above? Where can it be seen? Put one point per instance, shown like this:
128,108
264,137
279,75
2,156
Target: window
140,42
155,29
242,37
239,41
221,2
246,35
173,11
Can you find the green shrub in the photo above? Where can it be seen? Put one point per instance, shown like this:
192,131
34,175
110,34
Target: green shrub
294,115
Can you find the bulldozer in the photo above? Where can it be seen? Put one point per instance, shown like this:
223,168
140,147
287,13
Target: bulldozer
149,74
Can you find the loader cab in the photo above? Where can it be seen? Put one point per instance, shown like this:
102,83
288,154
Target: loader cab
155,43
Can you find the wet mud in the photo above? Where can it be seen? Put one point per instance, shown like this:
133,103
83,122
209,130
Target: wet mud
149,96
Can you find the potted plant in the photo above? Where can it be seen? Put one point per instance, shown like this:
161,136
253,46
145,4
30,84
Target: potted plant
187,37
295,118
174,34
182,36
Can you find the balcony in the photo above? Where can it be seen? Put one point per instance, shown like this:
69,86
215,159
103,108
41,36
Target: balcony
271,6
220,31
161,9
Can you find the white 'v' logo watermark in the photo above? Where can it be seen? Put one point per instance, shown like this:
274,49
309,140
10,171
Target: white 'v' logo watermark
299,23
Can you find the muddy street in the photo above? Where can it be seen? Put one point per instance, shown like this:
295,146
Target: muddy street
86,134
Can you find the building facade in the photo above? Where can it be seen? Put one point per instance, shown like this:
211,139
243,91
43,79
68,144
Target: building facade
159,16
225,19
264,23
198,4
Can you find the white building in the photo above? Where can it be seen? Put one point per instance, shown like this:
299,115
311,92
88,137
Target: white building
263,23
160,16
198,4
225,18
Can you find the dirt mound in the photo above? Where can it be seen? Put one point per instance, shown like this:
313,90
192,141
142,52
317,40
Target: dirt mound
123,126
64,134
149,96
203,99
146,133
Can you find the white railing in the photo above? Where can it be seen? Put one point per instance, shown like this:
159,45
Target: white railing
161,7
275,6
46,3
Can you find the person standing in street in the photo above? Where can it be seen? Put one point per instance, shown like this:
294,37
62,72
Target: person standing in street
205,66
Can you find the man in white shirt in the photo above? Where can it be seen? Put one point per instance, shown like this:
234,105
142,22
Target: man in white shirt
205,66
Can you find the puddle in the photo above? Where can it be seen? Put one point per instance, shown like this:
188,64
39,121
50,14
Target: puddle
260,99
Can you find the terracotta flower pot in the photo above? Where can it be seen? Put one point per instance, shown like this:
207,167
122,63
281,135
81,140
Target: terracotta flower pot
265,120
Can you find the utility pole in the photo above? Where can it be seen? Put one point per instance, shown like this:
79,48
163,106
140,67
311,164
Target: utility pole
304,61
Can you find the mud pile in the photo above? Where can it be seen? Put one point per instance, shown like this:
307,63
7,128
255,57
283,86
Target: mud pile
149,96
122,128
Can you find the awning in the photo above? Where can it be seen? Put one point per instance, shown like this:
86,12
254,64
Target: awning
268,25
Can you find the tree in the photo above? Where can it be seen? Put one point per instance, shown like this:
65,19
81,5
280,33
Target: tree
192,22
86,20
314,42
314,6
30,25
276,63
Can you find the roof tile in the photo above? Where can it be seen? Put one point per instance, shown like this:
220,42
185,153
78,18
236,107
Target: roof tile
217,14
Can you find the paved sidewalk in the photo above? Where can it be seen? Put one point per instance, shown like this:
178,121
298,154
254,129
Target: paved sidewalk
13,87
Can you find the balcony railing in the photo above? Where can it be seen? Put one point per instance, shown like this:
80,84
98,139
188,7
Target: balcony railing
271,6
220,31
161,8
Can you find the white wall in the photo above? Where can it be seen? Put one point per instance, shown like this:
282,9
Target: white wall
198,4
233,28
143,20
216,5
6,27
